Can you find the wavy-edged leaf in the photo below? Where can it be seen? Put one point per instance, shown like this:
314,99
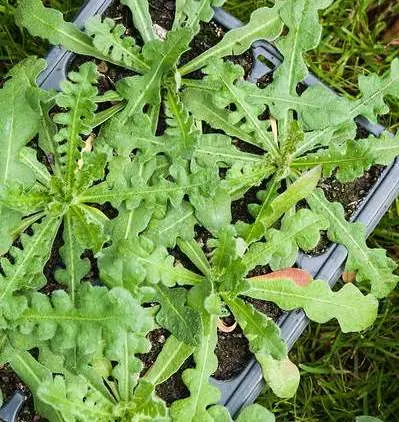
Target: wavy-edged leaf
268,215
11,226
219,413
298,231
183,322
213,212
47,135
318,108
225,249
314,113
301,18
49,24
255,413
26,269
251,413
123,349
91,168
200,103
240,178
225,81
218,150
352,158
110,40
181,133
323,138
27,200
28,156
353,310
124,136
78,98
98,316
88,226
178,222
75,400
374,89
145,405
385,148
191,12
131,262
159,193
75,266
270,350
371,265
265,24
141,18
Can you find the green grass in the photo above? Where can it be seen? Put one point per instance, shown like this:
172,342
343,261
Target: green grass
16,44
342,375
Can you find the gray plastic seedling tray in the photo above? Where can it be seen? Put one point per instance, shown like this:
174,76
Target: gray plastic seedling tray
244,388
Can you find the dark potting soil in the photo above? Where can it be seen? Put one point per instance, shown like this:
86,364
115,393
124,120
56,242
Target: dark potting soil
350,195
173,388
162,14
9,384
232,349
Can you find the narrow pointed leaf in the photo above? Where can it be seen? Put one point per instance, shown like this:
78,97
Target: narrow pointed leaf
299,190
173,355
194,252
265,24
141,18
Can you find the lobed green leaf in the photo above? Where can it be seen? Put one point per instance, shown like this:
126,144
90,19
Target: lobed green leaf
371,265
353,310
